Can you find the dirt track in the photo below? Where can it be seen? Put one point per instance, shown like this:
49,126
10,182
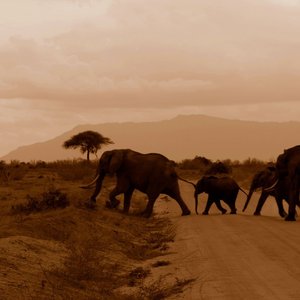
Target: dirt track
235,256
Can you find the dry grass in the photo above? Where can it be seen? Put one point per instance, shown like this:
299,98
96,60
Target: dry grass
162,288
73,252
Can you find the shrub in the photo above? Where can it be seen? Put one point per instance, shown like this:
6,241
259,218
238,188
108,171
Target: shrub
51,199
197,163
218,168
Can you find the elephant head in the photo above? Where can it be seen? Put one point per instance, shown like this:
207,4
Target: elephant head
109,163
265,179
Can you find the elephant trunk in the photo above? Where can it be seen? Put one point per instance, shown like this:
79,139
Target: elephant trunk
99,182
248,199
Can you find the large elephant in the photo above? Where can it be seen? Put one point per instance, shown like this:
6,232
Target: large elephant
217,188
265,179
152,174
288,168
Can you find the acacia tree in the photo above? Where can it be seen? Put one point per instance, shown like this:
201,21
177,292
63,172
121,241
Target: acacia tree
88,142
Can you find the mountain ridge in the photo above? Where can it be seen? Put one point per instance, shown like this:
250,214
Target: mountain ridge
184,136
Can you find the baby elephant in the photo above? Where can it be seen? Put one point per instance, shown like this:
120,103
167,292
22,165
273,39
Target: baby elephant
223,188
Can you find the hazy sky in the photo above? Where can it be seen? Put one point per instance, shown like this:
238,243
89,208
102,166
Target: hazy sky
68,62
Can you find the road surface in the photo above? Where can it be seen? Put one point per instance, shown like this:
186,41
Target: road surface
235,256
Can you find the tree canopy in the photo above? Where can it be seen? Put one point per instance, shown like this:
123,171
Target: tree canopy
88,142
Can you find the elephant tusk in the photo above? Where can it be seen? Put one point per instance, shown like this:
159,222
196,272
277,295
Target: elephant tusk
89,185
270,188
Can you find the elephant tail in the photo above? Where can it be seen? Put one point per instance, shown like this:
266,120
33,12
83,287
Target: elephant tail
91,184
248,199
186,181
243,191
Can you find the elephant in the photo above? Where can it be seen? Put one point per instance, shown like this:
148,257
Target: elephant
288,169
217,188
265,179
152,174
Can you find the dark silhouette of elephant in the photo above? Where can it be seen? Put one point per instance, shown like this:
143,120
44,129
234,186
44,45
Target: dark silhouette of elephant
217,188
152,174
265,180
288,168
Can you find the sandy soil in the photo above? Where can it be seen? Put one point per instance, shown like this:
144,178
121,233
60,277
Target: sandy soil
235,256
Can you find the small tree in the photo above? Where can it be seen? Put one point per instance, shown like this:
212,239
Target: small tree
88,142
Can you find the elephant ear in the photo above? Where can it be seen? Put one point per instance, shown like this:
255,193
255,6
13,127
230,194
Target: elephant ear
116,161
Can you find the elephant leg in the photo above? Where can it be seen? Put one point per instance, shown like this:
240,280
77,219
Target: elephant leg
127,199
210,201
175,194
293,198
262,199
149,208
219,206
281,210
231,204
114,202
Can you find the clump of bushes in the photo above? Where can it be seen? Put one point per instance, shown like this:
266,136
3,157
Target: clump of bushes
197,163
219,168
51,199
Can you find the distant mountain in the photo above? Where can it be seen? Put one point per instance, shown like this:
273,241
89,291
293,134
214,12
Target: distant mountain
179,138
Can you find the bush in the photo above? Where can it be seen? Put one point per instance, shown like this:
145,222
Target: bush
52,199
218,168
197,163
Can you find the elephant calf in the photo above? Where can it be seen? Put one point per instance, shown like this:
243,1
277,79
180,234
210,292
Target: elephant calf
223,188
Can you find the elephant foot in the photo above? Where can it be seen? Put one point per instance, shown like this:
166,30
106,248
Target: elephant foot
205,213
90,204
233,212
146,214
256,213
283,214
114,204
186,213
290,218
224,211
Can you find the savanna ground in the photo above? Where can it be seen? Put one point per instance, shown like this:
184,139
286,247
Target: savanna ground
53,247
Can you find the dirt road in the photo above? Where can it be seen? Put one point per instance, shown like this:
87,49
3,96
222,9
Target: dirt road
235,256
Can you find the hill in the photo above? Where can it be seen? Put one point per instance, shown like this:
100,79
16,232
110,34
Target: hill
179,138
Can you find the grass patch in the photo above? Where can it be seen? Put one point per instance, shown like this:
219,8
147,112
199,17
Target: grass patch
137,275
162,288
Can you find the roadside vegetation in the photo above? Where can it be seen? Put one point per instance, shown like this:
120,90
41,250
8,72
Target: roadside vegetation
241,171
53,247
